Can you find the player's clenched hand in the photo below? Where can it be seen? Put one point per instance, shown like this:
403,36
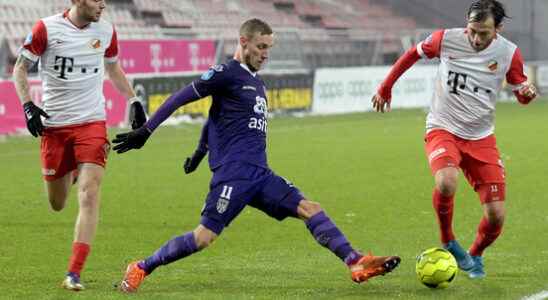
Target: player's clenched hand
137,116
32,116
528,90
380,104
131,140
191,163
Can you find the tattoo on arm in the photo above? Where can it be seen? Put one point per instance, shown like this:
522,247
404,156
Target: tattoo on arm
20,76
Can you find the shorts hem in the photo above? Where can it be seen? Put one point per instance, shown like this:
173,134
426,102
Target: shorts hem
212,225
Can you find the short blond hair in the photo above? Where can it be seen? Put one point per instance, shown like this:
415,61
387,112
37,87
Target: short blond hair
252,26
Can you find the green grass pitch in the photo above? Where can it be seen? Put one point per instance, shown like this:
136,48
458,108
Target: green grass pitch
368,171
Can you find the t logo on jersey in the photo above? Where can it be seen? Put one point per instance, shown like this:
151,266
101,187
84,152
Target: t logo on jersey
67,64
261,106
453,80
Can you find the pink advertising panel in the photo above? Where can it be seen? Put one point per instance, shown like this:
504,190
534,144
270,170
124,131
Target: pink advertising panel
160,56
12,119
11,111
115,104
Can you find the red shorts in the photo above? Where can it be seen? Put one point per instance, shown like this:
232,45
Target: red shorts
63,148
479,159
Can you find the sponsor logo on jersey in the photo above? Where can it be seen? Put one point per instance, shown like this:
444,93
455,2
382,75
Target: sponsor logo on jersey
493,65
28,39
95,43
207,75
260,106
218,68
249,87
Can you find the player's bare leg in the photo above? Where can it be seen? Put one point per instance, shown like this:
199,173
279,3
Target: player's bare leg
326,233
489,229
175,249
58,191
90,176
442,200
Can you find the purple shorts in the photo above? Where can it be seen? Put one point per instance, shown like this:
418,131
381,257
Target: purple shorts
237,184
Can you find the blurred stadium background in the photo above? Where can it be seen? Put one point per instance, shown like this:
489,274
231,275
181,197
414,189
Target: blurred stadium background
167,43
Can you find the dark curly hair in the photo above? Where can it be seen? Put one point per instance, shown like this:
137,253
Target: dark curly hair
480,10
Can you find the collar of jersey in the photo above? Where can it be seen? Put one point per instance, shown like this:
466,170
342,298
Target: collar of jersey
65,15
247,69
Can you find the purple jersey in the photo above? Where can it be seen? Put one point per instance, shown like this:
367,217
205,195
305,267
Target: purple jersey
237,122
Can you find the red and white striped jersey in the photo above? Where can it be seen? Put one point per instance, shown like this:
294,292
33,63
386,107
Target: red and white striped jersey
468,81
71,67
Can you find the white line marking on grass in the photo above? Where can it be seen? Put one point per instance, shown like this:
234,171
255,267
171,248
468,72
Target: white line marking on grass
538,296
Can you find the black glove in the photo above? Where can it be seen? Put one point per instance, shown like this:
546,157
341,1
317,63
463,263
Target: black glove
191,163
137,116
131,140
32,116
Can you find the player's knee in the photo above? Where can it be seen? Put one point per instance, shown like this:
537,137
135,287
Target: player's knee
57,200
446,183
495,216
57,203
307,209
204,237
88,195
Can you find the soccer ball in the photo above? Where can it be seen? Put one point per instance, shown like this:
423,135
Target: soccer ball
436,268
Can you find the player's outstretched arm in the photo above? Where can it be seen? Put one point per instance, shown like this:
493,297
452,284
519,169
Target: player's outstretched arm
381,100
192,162
137,138
33,113
429,48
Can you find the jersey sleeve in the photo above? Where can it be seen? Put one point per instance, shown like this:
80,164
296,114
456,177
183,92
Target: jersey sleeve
36,42
406,61
211,82
111,54
431,46
515,75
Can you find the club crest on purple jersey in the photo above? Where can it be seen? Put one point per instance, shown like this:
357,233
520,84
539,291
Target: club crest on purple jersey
222,205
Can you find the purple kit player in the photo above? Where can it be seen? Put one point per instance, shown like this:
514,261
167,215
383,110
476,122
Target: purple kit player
236,141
